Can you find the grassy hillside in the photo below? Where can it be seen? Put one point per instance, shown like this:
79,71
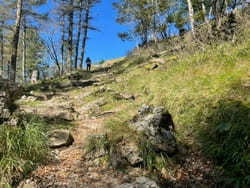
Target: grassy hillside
208,94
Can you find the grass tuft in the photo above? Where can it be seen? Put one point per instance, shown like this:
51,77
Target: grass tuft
20,150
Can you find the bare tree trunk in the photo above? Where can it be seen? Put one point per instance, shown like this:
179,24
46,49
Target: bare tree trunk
154,34
24,51
51,49
62,46
14,44
226,5
70,37
204,13
191,16
8,70
78,35
85,34
244,4
1,50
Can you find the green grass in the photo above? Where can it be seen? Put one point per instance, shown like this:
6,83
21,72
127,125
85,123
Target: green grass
208,95
21,150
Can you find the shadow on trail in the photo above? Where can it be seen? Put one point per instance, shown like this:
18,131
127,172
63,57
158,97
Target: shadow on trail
48,123
226,140
54,87
118,67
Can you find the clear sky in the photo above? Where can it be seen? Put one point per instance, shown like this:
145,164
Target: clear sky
106,44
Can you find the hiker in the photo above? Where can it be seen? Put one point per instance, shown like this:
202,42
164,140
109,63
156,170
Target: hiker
88,62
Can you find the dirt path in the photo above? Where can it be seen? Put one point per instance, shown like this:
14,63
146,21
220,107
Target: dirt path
67,168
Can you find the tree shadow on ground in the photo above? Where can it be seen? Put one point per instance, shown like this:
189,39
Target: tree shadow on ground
226,140
48,123
118,67
114,66
53,87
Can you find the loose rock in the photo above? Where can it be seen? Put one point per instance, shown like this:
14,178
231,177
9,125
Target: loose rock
59,138
140,182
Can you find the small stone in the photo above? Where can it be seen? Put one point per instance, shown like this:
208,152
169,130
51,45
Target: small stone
140,182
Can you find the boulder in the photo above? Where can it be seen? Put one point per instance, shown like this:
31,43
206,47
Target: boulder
59,138
140,182
157,125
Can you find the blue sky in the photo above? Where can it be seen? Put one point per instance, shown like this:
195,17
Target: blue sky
106,44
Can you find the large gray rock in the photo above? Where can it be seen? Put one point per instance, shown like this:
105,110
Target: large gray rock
157,124
59,138
140,182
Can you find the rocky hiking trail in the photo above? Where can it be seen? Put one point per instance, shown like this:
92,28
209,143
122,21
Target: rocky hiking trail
67,167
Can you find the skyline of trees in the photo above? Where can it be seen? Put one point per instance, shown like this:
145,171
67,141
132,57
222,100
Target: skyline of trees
32,39
69,21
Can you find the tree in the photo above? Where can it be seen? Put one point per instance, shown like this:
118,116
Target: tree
137,14
53,54
24,51
191,16
70,35
147,19
88,4
15,40
78,32
1,49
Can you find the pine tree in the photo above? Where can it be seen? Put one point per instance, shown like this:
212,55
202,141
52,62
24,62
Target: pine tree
88,4
15,40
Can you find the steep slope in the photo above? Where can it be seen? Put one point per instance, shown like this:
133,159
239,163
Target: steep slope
207,94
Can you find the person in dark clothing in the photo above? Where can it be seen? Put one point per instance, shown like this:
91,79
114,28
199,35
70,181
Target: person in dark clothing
88,62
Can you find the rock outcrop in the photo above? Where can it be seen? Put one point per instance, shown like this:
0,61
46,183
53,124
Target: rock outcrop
157,125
